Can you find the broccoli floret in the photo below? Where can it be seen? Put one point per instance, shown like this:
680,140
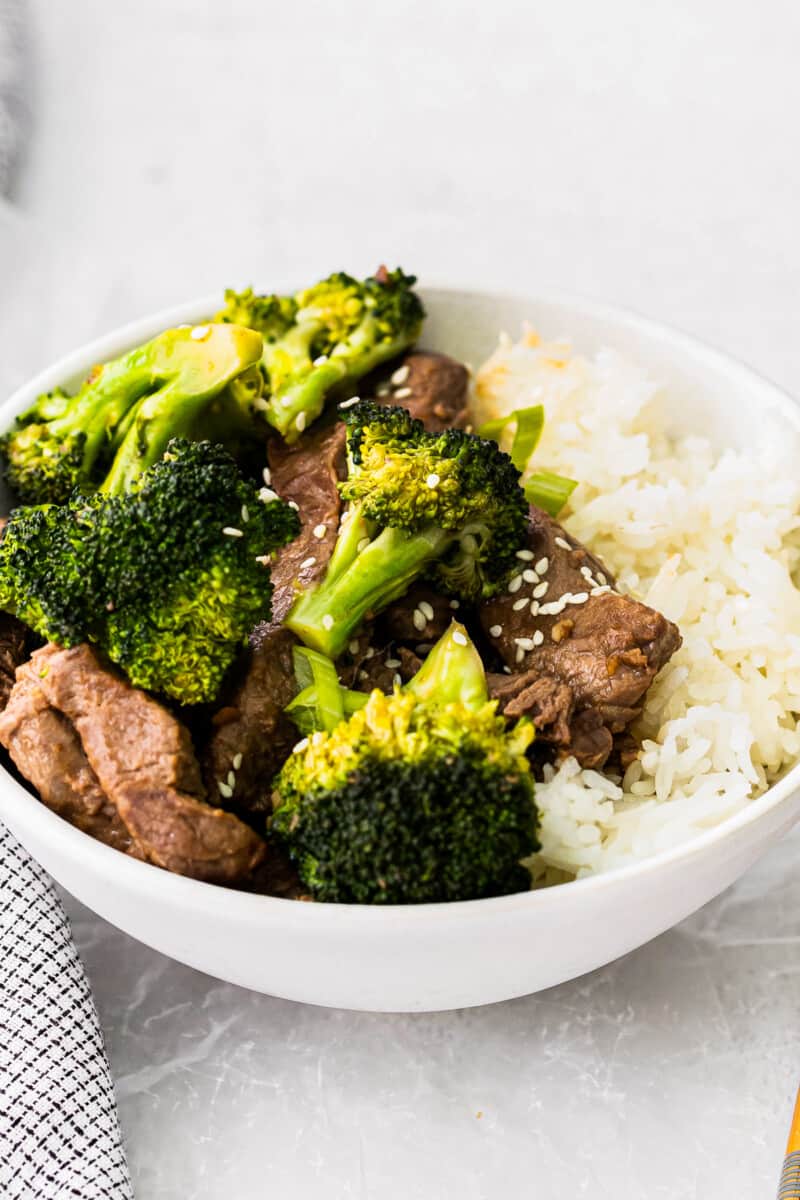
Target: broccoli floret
444,505
167,578
128,408
326,337
421,796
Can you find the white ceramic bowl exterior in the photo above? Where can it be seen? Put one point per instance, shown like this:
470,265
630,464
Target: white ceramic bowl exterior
431,957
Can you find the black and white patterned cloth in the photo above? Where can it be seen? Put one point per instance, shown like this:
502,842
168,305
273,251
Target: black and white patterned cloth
59,1132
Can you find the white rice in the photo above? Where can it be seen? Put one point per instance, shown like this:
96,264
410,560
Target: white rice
710,539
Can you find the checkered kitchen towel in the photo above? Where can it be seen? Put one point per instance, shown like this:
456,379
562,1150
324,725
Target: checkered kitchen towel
59,1134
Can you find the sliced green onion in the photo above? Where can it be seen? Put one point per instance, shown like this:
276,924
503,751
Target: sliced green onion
313,669
529,424
549,491
304,709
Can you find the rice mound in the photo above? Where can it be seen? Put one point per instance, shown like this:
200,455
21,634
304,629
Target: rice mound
710,539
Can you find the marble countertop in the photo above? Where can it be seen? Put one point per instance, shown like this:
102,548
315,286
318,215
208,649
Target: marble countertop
641,153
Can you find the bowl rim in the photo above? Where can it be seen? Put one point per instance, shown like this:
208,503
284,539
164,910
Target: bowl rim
46,826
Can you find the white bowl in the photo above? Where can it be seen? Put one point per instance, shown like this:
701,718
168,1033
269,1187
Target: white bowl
434,956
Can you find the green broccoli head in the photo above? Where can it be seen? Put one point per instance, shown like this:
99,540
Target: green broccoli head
447,506
421,796
124,414
168,578
325,338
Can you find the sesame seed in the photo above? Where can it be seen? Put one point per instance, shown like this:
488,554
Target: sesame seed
401,374
455,603
245,514
563,543
586,573
267,476
496,630
459,638
601,578
353,646
538,637
383,390
580,597
542,565
506,670
403,393
525,555
264,559
525,643
231,780
397,680
392,663
518,605
363,675
237,761
266,495
320,530
530,576
534,607
424,647
308,562
300,747
369,652
232,531
515,584
432,480
292,504
300,421
520,654
320,361
419,620
260,404
540,590
200,333
600,591
327,621
224,790
349,403
426,608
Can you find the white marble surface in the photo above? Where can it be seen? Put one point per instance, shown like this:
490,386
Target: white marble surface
643,153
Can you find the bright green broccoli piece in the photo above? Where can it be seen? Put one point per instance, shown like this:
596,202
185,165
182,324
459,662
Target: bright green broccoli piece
447,506
128,408
422,796
326,338
167,578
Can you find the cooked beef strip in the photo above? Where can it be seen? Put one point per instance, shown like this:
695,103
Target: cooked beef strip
13,639
547,701
47,751
144,762
607,648
431,386
251,723
396,622
377,667
307,474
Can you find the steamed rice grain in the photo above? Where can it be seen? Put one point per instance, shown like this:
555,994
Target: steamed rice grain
710,539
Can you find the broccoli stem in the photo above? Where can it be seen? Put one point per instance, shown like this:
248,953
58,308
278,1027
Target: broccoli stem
453,672
327,617
295,409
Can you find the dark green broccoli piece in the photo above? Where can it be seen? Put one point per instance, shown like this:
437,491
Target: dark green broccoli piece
444,505
167,578
326,337
125,412
421,796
